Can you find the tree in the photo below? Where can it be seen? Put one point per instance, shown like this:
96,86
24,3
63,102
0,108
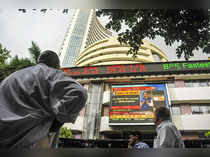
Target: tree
207,134
190,27
65,133
4,55
34,51
15,64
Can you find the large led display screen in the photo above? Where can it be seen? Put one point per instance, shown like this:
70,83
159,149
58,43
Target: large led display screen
140,69
136,103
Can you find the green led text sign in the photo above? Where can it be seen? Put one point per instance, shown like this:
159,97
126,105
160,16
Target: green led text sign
186,65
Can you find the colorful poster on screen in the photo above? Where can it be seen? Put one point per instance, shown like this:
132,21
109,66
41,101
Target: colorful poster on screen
134,104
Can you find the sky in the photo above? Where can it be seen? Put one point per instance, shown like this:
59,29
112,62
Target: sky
48,30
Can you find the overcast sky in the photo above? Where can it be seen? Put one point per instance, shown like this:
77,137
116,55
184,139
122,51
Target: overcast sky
48,30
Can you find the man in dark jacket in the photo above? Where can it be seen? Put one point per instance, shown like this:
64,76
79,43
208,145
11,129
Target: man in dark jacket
36,101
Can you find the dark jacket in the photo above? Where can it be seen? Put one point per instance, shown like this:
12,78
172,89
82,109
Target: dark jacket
32,99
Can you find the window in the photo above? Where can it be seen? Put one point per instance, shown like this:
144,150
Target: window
196,110
204,109
188,84
197,83
188,109
208,82
203,83
156,57
176,110
171,85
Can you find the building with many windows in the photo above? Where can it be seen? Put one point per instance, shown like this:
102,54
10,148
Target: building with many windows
84,29
187,93
118,85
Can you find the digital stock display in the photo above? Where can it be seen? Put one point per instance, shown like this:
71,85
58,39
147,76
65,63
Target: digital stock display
136,103
142,68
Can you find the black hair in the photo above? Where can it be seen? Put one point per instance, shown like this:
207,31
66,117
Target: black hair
138,134
162,113
49,58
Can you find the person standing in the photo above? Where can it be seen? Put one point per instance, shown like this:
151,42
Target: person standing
36,101
168,136
135,141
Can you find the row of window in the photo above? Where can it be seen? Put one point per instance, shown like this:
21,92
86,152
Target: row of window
76,39
197,83
203,83
191,109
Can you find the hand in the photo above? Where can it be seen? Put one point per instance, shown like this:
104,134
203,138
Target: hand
129,146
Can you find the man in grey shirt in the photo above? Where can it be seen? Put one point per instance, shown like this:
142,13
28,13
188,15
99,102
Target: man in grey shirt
168,136
36,101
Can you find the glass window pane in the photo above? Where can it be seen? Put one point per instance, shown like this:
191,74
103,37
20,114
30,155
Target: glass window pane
203,84
188,84
171,85
196,110
156,58
208,82
208,109
204,109
196,84
176,110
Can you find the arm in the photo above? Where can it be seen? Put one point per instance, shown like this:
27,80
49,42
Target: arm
67,98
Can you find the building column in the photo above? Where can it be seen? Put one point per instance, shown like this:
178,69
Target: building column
92,116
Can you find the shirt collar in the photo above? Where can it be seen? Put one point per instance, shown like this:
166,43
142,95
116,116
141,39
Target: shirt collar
161,124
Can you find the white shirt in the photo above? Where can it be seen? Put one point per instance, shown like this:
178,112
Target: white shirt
168,136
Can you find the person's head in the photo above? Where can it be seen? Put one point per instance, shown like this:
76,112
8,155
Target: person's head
145,95
135,137
161,114
49,58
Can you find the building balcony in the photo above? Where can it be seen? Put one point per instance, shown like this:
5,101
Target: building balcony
192,122
189,95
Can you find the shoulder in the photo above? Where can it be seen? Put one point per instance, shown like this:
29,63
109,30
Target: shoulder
166,124
167,129
51,73
141,145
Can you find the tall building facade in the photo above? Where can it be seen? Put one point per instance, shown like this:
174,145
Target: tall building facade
84,29
101,64
186,95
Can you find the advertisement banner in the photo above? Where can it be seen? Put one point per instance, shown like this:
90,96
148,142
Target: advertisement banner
135,104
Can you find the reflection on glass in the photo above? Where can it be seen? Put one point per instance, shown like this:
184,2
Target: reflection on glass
203,84
204,109
176,110
171,85
196,110
188,84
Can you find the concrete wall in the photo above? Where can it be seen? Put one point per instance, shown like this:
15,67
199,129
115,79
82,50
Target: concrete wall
106,97
105,124
194,94
192,122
